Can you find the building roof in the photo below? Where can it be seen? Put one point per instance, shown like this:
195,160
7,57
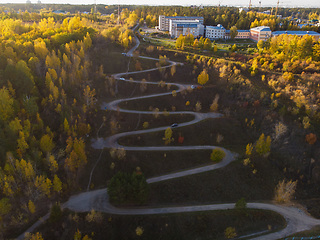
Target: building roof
296,33
261,28
183,17
218,27
239,31
186,25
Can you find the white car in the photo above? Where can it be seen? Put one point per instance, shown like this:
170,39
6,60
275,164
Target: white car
193,87
122,78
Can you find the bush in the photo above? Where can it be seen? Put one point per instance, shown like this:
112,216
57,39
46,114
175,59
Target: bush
125,188
284,191
230,232
241,204
55,213
217,155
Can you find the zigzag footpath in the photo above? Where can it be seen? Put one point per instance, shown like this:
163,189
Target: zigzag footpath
297,220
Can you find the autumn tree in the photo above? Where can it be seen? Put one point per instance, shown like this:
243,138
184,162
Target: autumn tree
311,138
233,32
168,136
234,48
89,96
180,42
207,44
6,104
189,39
285,191
46,143
77,157
263,145
203,77
214,106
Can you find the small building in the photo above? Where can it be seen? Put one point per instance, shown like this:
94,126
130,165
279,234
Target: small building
242,34
215,32
164,21
260,33
185,27
297,33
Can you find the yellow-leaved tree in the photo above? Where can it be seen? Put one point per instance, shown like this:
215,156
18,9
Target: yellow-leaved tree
203,77
168,136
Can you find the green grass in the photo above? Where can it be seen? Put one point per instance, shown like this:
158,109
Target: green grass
187,226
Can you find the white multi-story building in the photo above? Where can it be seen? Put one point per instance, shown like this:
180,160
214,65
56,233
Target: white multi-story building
215,32
164,21
184,27
260,33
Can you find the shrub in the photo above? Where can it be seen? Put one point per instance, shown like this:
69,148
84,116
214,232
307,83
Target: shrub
230,232
285,191
311,138
126,188
139,231
55,213
241,204
217,155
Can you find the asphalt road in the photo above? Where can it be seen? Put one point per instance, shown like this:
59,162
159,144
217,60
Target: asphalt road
297,219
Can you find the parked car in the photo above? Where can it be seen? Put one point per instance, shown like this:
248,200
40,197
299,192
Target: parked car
193,87
124,54
174,125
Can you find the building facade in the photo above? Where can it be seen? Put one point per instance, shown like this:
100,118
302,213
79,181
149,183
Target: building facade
185,27
215,32
260,33
242,34
164,21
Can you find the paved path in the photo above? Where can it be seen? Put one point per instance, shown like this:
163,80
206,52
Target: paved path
297,220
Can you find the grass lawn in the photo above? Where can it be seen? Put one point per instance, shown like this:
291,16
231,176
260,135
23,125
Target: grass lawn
187,226
126,90
202,133
228,184
152,164
314,232
131,122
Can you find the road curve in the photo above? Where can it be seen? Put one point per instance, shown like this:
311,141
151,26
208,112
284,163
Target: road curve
297,220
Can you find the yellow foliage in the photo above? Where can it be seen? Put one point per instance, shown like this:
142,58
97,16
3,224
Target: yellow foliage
203,77
168,136
31,207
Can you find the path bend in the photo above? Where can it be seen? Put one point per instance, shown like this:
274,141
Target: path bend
297,219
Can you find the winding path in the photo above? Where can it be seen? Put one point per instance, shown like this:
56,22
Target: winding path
297,220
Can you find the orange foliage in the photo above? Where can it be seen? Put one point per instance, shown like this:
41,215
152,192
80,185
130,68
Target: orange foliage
311,138
180,139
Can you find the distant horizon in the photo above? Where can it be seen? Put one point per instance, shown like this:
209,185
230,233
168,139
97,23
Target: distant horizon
227,3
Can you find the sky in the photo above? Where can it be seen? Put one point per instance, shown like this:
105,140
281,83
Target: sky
283,3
